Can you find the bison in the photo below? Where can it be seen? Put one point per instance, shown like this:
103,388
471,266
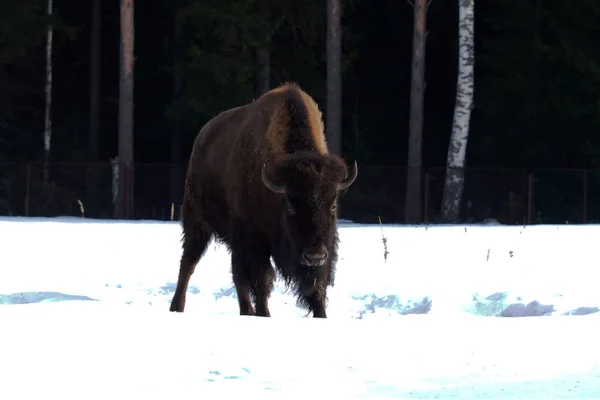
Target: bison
261,181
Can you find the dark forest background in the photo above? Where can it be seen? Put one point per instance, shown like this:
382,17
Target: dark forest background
536,106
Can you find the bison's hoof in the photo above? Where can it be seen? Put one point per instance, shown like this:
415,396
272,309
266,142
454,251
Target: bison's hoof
176,307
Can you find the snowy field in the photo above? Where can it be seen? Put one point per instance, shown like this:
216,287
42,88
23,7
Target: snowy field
84,315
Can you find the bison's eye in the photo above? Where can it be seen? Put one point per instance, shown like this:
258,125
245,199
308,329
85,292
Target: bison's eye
333,207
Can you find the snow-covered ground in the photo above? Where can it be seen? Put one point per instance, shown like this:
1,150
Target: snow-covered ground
84,315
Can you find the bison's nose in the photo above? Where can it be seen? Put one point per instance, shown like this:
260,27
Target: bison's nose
313,256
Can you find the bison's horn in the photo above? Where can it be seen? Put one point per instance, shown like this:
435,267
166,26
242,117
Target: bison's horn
350,178
269,184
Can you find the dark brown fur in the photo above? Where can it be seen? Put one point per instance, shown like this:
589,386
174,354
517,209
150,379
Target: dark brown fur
226,199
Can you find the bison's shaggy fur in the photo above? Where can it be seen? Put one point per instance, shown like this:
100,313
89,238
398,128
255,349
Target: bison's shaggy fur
261,181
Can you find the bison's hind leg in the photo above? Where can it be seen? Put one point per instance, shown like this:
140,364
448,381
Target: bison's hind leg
195,242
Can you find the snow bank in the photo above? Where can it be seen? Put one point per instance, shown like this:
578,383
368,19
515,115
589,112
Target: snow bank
485,270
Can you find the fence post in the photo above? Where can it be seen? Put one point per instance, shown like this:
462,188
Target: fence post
27,187
585,195
129,187
127,191
426,197
529,197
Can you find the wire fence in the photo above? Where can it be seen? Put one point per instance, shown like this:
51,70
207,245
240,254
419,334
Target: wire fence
508,196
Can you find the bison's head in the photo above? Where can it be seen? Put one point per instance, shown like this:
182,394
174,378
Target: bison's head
310,185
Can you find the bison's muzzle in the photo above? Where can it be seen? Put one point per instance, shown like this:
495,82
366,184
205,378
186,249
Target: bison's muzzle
314,256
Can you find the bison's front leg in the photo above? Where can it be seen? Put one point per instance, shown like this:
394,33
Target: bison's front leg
252,271
243,293
263,287
242,284
256,281
317,305
316,298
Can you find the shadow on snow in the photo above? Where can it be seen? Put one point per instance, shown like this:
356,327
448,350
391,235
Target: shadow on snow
40,297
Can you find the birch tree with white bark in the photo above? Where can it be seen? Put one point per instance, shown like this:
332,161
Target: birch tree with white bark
48,94
457,148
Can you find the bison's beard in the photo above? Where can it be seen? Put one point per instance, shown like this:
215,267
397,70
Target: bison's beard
309,278
304,280
288,261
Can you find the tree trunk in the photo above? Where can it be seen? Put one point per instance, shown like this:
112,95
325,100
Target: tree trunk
48,94
262,51
126,62
334,76
457,149
417,92
177,171
94,134
93,145
263,68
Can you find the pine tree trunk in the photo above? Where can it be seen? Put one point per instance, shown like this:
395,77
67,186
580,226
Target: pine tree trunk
93,145
126,61
263,68
262,54
177,171
93,174
48,94
334,76
417,93
262,51
457,149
